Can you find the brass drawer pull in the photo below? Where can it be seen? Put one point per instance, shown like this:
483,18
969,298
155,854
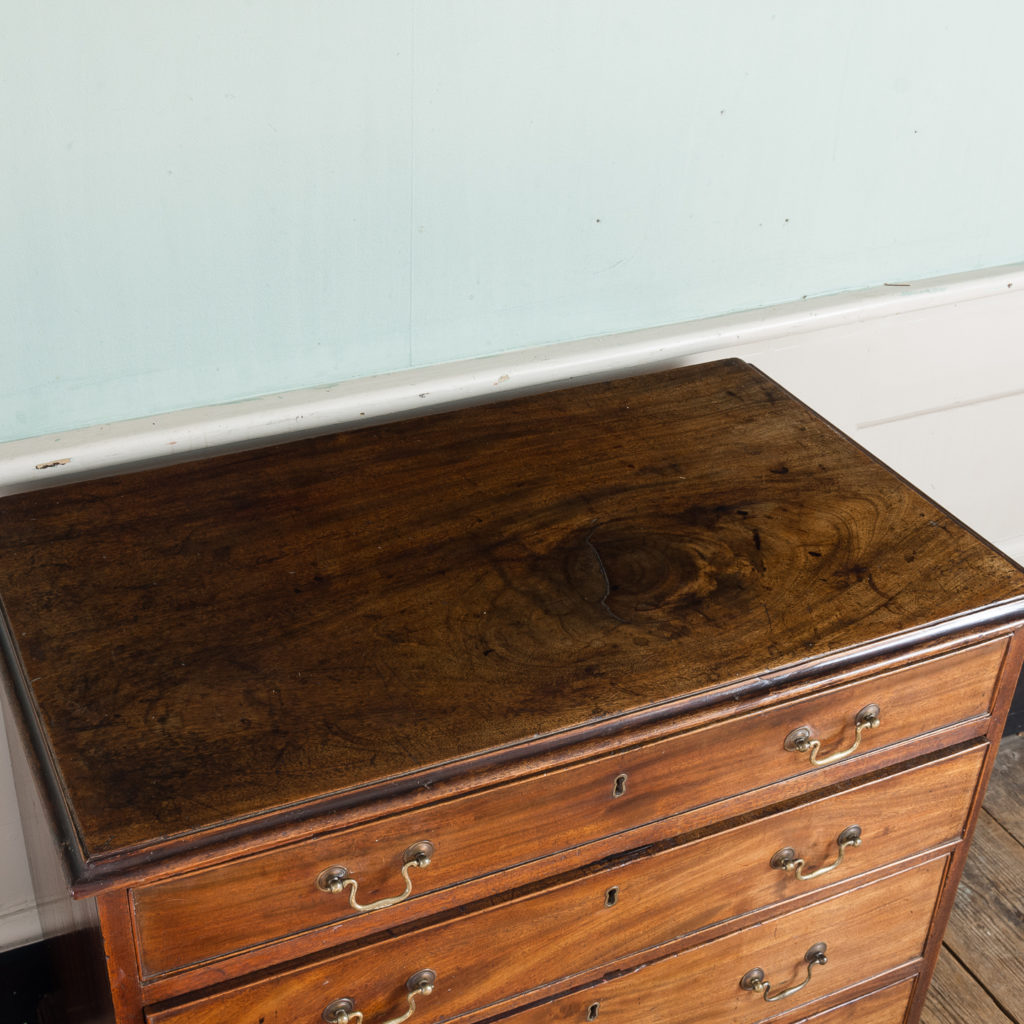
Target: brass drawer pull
787,860
799,740
753,980
336,880
343,1011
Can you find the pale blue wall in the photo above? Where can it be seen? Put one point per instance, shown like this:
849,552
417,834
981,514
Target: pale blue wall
204,200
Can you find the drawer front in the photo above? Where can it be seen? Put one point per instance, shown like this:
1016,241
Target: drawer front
887,1006
866,932
593,921
259,899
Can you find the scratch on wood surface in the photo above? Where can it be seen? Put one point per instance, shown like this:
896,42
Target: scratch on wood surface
50,465
604,574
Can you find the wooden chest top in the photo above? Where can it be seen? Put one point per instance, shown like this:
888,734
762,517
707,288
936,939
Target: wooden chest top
242,639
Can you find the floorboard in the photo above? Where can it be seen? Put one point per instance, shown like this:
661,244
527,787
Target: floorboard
1005,797
980,974
956,998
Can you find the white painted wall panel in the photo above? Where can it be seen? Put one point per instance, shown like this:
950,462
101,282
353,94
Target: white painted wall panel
919,361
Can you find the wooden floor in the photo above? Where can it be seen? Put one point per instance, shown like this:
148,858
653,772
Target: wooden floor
980,974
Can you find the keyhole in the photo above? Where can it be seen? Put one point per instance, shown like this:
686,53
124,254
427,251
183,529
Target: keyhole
611,896
620,785
592,1011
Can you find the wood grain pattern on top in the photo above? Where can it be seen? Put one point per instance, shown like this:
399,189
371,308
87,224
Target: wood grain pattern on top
207,640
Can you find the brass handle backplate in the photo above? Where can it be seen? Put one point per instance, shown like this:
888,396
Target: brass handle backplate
787,860
343,1011
753,980
336,879
802,740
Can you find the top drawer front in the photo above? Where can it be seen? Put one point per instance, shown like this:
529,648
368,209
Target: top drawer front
258,899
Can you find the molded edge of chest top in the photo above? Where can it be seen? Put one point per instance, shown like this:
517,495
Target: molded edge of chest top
207,651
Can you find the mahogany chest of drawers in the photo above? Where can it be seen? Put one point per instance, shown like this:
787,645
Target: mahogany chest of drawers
652,700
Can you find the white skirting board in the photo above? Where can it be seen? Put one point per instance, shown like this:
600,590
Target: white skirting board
969,318
19,926
19,917
927,375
